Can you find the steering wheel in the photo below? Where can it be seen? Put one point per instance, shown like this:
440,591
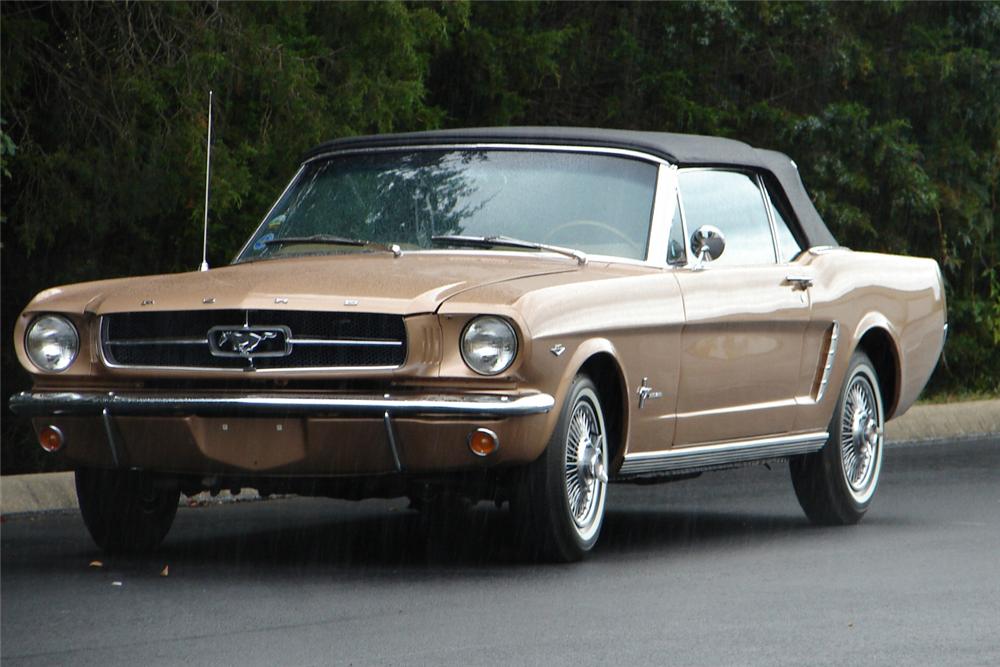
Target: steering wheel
603,226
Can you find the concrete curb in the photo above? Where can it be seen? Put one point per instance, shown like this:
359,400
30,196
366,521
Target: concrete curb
945,421
922,424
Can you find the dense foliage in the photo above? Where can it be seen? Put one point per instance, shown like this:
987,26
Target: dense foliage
892,110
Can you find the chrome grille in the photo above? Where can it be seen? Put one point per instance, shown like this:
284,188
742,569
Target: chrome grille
180,339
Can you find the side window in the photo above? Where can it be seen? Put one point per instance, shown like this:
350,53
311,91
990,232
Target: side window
731,201
788,247
675,242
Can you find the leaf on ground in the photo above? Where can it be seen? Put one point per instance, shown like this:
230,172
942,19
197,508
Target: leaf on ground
96,563
165,572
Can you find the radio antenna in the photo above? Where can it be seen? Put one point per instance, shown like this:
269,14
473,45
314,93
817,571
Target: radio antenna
208,175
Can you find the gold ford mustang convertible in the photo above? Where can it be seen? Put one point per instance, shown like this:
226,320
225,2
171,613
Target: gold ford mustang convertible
522,315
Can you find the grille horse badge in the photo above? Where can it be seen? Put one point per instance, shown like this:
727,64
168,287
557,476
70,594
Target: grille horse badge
244,342
250,342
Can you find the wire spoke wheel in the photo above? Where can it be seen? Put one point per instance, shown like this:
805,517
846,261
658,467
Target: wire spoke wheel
585,472
835,485
860,435
558,504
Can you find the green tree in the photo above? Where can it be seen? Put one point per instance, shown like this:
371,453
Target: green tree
107,104
892,111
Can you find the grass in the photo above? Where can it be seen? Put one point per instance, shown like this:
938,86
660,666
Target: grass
959,396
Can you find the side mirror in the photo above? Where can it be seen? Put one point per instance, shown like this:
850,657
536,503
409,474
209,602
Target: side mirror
707,243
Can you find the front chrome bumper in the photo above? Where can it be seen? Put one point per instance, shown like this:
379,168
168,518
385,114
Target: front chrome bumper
43,403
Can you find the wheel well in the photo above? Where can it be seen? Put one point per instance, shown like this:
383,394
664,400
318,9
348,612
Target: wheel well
878,345
603,370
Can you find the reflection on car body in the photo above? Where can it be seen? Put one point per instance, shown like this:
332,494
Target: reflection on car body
558,309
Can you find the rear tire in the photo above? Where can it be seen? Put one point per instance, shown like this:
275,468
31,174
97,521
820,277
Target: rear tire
558,504
836,485
126,511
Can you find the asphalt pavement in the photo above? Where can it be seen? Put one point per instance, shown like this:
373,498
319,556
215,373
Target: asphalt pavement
720,570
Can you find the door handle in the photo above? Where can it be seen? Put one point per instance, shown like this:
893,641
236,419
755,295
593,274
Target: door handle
802,282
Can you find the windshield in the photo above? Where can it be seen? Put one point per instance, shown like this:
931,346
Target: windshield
600,204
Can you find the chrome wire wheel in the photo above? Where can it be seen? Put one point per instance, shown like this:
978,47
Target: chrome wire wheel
836,485
585,467
558,500
861,435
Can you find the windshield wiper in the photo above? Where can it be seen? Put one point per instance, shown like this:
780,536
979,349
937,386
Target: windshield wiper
334,240
507,242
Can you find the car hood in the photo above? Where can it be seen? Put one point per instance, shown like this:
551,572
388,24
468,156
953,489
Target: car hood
413,283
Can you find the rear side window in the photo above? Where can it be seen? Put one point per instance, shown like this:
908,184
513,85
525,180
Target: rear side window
731,201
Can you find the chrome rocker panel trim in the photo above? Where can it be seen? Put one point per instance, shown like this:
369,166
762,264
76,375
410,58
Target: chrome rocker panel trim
40,404
702,457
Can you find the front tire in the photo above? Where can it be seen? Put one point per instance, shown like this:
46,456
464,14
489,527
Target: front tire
835,485
559,503
126,511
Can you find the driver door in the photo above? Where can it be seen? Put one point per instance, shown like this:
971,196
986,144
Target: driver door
741,345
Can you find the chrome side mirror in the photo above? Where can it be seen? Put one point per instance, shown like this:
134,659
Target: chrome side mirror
707,243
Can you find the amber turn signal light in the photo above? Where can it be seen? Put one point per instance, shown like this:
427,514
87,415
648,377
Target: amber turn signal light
483,442
50,438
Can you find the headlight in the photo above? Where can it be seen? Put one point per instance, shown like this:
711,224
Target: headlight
489,345
52,343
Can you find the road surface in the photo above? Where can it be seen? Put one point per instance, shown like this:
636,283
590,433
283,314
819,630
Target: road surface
720,570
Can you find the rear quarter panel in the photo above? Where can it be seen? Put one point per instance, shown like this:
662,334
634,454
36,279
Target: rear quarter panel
861,291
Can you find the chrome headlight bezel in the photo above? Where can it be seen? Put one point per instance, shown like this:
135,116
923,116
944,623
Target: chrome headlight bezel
480,330
49,330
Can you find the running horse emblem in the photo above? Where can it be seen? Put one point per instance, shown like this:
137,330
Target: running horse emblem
244,342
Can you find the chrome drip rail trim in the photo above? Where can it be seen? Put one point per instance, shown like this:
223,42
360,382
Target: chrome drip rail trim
685,459
44,403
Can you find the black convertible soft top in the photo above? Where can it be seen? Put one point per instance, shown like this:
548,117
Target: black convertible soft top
680,149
